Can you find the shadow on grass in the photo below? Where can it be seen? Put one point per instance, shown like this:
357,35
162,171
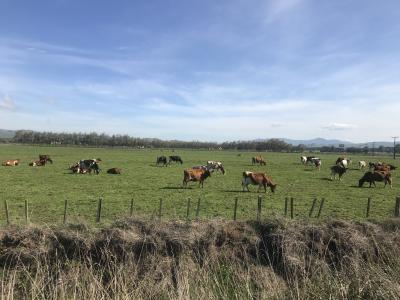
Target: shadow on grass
326,179
175,188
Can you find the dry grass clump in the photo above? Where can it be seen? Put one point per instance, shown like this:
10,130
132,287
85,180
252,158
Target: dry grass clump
136,259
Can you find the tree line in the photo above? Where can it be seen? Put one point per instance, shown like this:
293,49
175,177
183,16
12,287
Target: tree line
101,140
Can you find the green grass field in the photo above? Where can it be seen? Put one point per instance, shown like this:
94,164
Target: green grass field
46,187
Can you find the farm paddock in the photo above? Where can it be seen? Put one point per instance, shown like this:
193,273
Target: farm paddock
46,188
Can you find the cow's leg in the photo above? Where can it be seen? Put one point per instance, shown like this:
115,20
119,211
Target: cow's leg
265,187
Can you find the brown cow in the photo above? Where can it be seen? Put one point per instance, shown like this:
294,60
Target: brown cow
11,162
260,179
114,171
195,175
371,177
258,160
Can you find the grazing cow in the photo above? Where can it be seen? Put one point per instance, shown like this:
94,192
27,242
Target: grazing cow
362,164
317,163
161,160
114,171
303,159
45,157
195,175
175,158
260,179
11,162
38,163
258,160
371,177
215,166
337,170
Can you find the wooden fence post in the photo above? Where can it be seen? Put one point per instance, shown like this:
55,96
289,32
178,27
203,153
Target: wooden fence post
188,210
160,209
368,207
198,209
131,208
6,210
291,208
26,212
286,206
259,208
397,207
98,217
312,208
320,207
65,211
235,209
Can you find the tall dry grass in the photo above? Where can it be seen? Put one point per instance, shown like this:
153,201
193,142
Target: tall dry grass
135,259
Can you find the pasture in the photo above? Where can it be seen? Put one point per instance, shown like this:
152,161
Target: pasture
46,187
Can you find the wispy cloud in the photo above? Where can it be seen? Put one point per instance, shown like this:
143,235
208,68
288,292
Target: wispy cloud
7,103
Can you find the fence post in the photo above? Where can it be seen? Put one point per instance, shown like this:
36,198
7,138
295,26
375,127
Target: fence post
188,210
397,207
259,208
131,208
65,211
291,208
98,217
160,209
320,207
312,208
368,206
26,212
6,210
286,206
198,209
235,208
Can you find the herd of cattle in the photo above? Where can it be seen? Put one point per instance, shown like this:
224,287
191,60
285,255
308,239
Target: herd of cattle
378,171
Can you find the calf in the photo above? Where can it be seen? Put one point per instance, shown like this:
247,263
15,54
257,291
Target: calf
260,179
371,177
337,170
38,163
195,175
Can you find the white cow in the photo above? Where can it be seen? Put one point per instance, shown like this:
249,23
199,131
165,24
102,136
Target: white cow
362,164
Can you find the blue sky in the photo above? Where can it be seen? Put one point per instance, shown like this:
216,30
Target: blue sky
202,70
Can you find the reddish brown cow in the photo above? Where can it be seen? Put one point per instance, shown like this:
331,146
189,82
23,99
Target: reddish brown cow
260,179
195,175
371,177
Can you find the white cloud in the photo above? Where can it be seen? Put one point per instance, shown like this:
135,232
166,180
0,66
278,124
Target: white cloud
339,126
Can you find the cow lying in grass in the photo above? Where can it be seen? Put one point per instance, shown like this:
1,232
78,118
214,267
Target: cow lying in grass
37,163
371,177
196,175
114,171
260,179
11,162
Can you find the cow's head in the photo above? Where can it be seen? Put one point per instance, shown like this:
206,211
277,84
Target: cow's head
273,187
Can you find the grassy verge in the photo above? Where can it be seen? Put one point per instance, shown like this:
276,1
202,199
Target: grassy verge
135,259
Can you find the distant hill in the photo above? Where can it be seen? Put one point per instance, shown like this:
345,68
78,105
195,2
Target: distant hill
6,134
